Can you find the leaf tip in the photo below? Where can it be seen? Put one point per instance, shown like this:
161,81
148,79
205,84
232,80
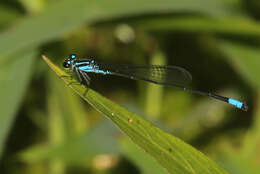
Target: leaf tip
44,57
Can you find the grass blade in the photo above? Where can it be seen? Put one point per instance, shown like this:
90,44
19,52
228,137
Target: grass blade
65,16
16,76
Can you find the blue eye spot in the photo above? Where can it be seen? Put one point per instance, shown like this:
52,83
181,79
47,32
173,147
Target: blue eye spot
73,56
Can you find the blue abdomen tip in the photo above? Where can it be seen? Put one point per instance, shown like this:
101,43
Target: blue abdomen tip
238,104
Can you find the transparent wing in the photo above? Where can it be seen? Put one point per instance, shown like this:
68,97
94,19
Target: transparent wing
164,75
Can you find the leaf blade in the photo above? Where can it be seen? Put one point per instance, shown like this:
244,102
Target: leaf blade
64,16
12,94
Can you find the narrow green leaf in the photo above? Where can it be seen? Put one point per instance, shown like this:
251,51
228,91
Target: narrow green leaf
65,16
142,160
170,152
154,94
245,59
235,25
14,79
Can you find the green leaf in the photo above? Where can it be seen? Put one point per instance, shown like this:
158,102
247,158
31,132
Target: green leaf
14,77
235,25
170,152
65,16
154,94
245,59
142,160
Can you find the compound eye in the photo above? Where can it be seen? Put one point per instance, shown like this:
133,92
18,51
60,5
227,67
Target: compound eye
92,62
73,56
66,64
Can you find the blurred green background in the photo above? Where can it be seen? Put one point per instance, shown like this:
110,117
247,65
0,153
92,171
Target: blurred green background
46,128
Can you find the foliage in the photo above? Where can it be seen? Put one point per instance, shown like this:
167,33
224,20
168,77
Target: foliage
46,128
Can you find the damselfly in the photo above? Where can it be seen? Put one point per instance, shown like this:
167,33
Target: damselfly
172,76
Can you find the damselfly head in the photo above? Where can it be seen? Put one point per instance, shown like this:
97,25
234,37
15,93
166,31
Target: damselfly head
67,63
